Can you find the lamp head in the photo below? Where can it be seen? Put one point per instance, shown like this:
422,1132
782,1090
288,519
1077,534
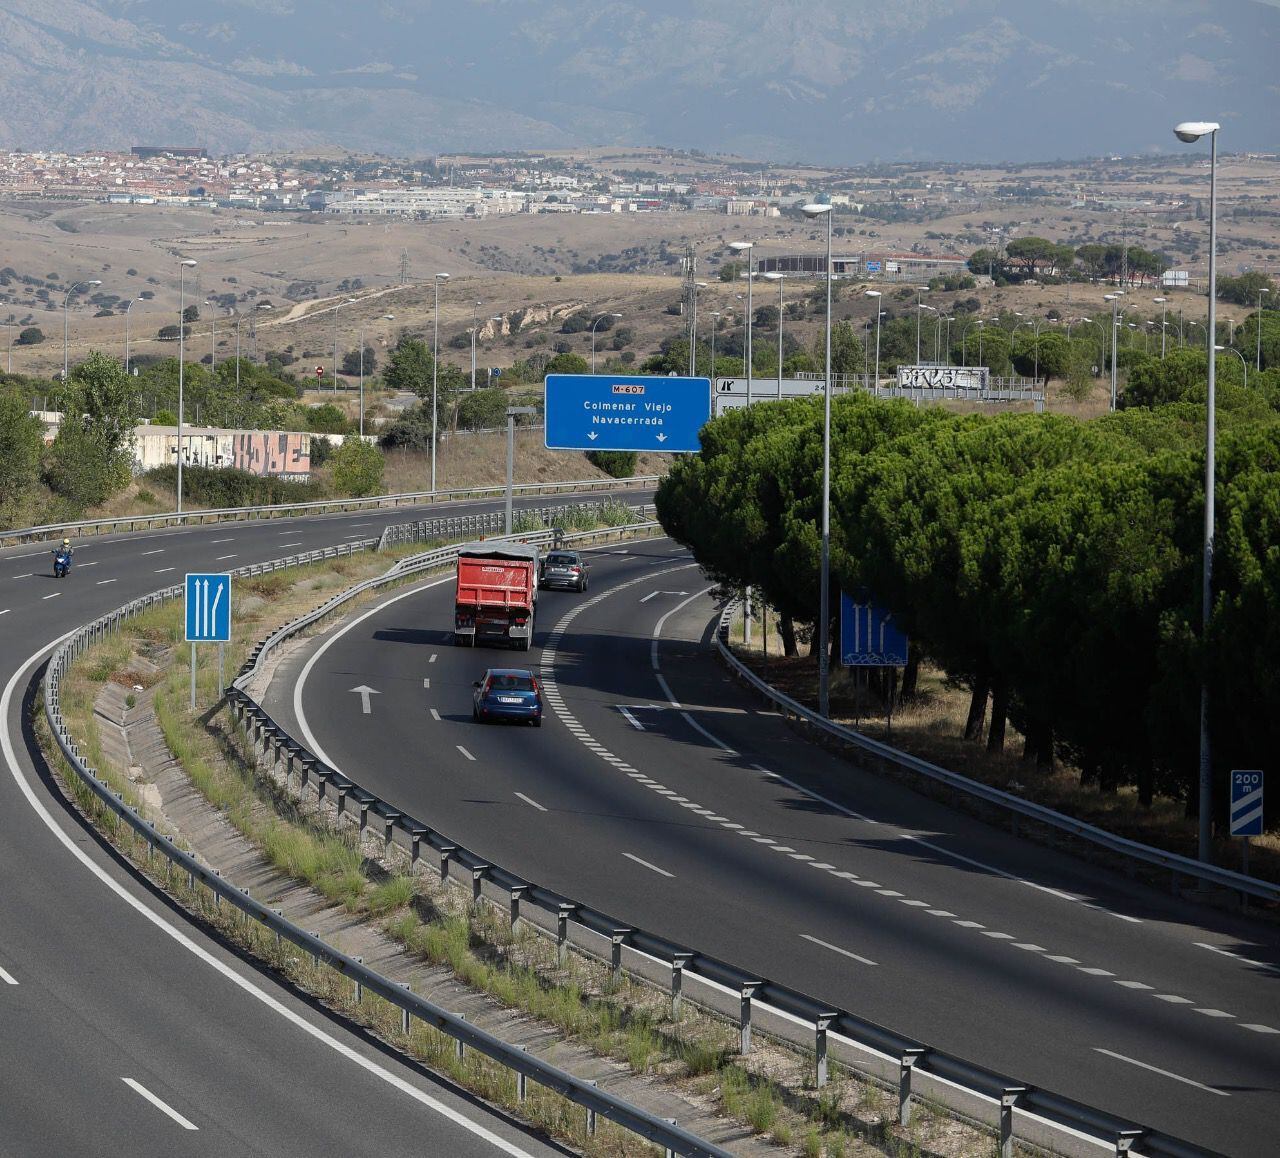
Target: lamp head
872,293
442,277
95,281
1190,131
815,210
772,275
1161,301
388,317
188,262
741,246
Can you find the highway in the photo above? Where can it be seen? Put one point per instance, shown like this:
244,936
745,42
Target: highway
126,1030
659,792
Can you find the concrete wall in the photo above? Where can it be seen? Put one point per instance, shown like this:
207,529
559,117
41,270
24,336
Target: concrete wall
282,453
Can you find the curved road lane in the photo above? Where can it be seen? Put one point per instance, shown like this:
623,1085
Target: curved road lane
125,1029
659,792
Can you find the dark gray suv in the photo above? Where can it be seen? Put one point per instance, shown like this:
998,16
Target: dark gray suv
564,569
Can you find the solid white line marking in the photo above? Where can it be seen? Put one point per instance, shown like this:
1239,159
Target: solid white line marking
1162,1073
1237,957
138,1087
837,949
530,800
7,977
104,582
466,753
626,714
53,596
646,864
435,715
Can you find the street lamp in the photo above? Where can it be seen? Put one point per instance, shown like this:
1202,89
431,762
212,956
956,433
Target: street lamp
920,307
824,582
65,324
385,318
876,294
349,301
594,324
1242,361
128,306
715,321
9,327
693,329
183,265
213,339
1190,131
1114,299
1258,357
435,362
1163,303
475,325
747,247
779,278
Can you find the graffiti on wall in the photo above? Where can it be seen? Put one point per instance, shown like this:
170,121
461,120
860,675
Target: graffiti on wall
283,454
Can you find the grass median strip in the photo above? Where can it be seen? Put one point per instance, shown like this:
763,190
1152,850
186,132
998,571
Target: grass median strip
628,1021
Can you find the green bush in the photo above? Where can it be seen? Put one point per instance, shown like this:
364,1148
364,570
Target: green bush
357,468
614,463
232,488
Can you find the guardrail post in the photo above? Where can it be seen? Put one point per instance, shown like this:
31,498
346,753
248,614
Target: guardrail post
459,1046
1008,1099
404,1013
617,938
517,894
744,1016
388,832
445,853
1125,1140
278,913
416,833
359,987
478,873
217,896
667,1152
522,1082
678,962
315,957
563,912
821,1023
591,1118
906,1068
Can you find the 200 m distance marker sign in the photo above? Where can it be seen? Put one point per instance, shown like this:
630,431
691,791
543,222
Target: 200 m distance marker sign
625,412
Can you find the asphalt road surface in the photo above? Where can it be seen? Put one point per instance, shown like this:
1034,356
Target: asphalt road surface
125,1030
659,792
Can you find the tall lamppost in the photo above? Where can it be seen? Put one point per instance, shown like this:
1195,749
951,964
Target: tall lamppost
183,265
747,247
435,362
693,329
979,323
947,345
9,327
213,335
920,308
1114,299
779,278
1243,363
594,324
876,295
128,306
237,315
385,318
475,325
1258,356
1163,303
715,321
65,322
824,581
1187,132
349,301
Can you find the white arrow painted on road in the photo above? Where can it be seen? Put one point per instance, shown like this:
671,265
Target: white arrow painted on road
627,709
365,692
655,594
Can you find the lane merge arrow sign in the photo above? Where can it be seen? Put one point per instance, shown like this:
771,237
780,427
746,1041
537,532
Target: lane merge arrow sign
365,692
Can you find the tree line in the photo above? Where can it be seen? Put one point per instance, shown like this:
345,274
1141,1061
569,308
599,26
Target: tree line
1049,565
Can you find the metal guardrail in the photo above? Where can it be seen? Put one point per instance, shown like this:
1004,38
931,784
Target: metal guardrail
1175,863
319,506
914,1069
586,1094
471,526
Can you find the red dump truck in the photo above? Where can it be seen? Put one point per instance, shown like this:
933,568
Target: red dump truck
497,594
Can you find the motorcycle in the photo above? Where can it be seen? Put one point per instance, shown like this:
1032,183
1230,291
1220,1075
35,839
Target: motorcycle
61,564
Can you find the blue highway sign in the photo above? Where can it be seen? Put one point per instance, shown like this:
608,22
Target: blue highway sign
208,608
868,635
1246,802
621,412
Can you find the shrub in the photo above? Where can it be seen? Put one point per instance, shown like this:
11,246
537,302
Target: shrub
31,336
357,468
614,463
232,488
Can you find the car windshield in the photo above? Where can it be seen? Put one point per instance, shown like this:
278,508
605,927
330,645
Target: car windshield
511,683
561,560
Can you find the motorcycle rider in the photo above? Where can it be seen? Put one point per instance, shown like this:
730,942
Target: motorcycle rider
64,550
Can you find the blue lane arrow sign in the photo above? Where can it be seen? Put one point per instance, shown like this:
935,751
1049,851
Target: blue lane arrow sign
868,635
626,412
1246,802
208,599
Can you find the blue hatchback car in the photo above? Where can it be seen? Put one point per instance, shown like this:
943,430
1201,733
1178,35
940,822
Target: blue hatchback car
507,693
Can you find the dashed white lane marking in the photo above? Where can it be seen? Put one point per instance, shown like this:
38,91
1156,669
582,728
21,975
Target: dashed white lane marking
82,566
1214,1013
157,551
7,977
529,800
214,542
1163,1073
646,864
466,753
837,949
626,715
435,715
1238,957
554,698
53,596
221,557
29,574
1174,999
5,611
1260,1028
164,1108
28,555
104,582
162,570
431,658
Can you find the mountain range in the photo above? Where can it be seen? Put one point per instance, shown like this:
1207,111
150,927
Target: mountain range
836,82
